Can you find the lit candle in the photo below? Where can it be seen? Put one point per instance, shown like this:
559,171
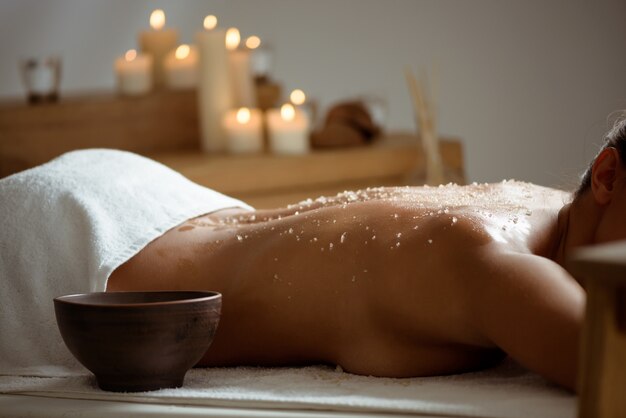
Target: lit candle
158,42
242,83
253,42
181,67
134,73
244,130
288,130
214,91
298,98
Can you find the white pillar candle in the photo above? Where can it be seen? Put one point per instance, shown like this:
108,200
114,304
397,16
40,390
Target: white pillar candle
299,100
158,42
288,130
242,82
181,68
214,91
134,73
244,128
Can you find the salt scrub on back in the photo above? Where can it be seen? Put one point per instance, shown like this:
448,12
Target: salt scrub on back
416,208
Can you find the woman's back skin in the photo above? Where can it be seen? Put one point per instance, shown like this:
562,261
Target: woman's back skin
386,282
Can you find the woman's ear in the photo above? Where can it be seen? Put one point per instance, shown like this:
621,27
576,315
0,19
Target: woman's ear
604,175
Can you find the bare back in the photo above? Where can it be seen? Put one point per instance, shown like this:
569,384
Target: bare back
386,281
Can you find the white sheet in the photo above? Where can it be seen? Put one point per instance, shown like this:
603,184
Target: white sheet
65,226
507,391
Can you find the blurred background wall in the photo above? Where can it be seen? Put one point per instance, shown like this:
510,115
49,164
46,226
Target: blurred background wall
526,85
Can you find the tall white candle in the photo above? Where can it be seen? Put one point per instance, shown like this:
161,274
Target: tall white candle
181,68
158,42
134,73
244,128
242,82
288,130
214,91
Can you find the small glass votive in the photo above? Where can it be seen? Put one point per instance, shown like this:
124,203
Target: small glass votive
261,61
41,78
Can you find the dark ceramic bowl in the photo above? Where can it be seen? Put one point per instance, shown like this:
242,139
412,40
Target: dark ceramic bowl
138,341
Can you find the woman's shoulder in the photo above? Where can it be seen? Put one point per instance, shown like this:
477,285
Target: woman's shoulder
514,190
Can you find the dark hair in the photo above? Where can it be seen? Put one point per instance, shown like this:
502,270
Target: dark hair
615,138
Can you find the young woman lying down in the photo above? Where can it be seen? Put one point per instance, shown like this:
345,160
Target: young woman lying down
391,282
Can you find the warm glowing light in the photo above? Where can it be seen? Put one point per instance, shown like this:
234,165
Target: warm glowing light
210,22
287,112
243,115
130,55
182,52
232,39
297,97
253,42
157,19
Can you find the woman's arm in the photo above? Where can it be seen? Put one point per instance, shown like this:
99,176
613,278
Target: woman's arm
531,308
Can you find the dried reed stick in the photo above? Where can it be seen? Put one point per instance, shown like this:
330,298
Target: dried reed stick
426,127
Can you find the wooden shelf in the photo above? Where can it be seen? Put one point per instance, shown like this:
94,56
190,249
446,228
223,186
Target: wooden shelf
164,126
266,180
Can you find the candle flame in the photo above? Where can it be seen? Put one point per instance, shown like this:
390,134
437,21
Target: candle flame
297,97
210,22
232,39
253,42
130,55
157,19
287,112
243,115
182,52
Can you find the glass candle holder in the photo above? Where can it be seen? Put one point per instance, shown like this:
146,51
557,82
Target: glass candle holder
261,61
41,77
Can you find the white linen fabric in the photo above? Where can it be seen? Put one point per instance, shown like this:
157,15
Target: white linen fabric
65,226
506,391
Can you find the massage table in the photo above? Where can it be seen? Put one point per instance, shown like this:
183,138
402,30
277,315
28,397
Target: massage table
503,392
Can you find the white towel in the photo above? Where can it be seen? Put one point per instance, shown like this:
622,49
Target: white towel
506,391
65,226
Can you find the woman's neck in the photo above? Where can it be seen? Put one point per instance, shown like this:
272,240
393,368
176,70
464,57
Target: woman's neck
575,227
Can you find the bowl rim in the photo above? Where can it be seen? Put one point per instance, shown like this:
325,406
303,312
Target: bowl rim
210,295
